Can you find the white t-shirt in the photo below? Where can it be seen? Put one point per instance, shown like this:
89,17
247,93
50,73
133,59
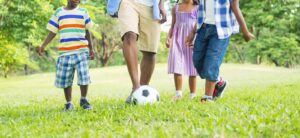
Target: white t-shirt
210,12
145,2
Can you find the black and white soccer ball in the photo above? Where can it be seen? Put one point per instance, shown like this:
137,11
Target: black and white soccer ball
145,95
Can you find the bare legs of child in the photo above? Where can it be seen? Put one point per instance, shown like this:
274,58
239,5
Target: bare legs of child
178,85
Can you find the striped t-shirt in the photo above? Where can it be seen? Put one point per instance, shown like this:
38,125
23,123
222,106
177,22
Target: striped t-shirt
71,26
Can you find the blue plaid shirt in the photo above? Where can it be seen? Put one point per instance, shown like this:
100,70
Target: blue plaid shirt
225,19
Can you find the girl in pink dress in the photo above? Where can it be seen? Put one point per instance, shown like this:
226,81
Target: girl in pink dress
184,17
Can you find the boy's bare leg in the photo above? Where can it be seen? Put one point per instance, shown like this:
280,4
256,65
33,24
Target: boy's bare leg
147,67
209,87
83,90
68,93
83,101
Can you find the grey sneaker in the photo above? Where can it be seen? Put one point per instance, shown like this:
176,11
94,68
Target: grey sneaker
85,104
206,100
68,107
129,99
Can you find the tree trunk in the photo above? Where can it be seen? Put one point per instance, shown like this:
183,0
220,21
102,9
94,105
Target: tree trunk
258,59
26,71
240,55
29,49
275,62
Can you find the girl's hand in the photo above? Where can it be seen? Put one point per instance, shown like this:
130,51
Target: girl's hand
190,39
168,43
248,36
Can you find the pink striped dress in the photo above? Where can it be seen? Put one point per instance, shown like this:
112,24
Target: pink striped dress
181,56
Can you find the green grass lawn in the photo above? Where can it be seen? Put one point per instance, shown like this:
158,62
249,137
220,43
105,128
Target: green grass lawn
260,102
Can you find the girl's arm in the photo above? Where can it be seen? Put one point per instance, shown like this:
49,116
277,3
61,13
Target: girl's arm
173,22
88,37
162,12
240,18
49,38
190,38
170,34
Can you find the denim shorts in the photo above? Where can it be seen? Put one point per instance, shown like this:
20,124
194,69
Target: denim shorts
209,52
66,66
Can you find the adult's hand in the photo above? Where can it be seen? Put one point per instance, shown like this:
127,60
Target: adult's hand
168,43
162,13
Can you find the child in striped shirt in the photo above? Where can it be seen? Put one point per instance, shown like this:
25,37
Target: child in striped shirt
75,49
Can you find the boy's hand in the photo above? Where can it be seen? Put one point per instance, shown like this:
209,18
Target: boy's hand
168,43
190,39
40,50
92,54
248,36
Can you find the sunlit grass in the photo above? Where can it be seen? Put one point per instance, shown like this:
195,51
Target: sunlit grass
259,102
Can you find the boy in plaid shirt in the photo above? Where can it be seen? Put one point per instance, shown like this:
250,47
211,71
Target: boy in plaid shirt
75,49
217,21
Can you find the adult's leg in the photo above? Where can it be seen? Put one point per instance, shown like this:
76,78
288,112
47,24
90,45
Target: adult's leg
147,67
130,53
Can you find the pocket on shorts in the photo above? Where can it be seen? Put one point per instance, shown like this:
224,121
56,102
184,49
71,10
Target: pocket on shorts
58,62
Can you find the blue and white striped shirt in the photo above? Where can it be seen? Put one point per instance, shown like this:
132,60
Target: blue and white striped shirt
226,22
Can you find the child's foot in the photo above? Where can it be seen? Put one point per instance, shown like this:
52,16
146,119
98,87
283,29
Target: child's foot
85,104
129,99
205,100
177,97
68,107
219,89
192,95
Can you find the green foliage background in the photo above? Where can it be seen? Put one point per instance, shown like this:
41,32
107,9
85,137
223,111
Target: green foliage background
275,24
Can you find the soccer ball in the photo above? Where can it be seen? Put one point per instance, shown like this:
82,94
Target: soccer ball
145,95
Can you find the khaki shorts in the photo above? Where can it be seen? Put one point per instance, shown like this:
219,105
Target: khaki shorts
137,18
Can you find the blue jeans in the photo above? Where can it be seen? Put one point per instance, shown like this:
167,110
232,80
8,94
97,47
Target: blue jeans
209,52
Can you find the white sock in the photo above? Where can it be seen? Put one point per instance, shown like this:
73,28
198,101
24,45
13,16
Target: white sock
179,93
82,98
69,102
219,79
192,95
208,97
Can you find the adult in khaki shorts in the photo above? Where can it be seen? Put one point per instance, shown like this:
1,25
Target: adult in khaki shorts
138,25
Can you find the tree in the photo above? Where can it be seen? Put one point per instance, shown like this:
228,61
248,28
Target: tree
274,24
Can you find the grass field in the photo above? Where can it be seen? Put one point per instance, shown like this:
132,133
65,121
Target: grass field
259,102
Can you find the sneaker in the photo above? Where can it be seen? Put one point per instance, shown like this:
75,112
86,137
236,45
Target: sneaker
192,96
68,107
129,99
85,104
219,89
177,97
205,100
